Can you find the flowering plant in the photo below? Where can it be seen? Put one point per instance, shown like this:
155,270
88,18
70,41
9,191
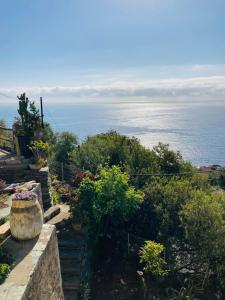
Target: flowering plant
39,149
26,195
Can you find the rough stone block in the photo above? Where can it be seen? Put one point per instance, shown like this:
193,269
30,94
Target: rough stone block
36,274
4,230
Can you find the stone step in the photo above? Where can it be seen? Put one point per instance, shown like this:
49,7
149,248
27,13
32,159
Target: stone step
69,264
13,167
66,254
70,271
51,213
70,268
71,295
71,283
71,243
62,218
69,233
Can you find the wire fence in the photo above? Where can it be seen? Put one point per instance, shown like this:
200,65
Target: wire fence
66,172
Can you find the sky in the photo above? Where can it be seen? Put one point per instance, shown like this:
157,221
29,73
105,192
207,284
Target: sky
112,48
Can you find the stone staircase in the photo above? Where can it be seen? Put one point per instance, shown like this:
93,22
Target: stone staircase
71,252
72,246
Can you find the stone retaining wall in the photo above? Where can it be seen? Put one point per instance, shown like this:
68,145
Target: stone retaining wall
21,173
36,274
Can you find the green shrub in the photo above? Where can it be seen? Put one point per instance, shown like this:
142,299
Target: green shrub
112,148
150,257
55,195
4,271
109,201
6,261
164,198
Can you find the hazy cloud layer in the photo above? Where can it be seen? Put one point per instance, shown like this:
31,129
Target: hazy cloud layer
199,86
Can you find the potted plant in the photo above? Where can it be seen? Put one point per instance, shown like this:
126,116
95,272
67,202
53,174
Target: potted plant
40,151
27,122
26,218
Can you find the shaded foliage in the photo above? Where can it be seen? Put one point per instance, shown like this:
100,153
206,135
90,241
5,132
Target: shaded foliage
109,201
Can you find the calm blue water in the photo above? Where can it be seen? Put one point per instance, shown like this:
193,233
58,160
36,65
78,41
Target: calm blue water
196,128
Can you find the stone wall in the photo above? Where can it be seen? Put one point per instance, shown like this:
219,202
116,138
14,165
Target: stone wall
20,173
36,275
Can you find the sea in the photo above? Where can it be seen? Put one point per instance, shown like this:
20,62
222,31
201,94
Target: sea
195,127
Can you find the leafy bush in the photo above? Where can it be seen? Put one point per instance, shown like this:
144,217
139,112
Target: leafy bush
164,197
40,151
217,177
80,175
203,220
64,146
39,148
186,292
6,261
55,195
109,201
84,292
112,148
4,271
170,161
150,257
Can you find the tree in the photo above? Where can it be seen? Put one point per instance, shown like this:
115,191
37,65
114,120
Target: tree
65,144
29,116
164,197
170,161
203,220
217,177
111,149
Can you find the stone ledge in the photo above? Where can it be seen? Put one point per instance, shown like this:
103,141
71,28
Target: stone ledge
51,212
4,230
36,272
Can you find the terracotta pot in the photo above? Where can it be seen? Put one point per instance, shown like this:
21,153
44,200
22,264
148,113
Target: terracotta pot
26,218
35,167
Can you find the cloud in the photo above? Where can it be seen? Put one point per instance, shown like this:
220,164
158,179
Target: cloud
198,86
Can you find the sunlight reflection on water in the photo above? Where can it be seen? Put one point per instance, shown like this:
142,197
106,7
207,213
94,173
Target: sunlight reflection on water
196,129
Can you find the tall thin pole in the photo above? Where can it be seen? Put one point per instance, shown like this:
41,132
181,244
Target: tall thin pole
42,115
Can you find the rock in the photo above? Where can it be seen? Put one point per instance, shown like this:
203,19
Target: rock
4,230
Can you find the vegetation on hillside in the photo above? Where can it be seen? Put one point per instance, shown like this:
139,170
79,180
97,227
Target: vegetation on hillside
148,212
172,206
